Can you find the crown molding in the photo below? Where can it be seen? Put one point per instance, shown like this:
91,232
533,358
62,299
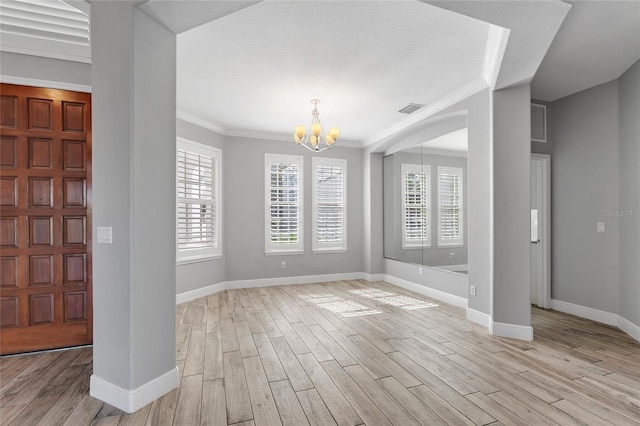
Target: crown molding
251,134
189,118
48,84
497,40
452,98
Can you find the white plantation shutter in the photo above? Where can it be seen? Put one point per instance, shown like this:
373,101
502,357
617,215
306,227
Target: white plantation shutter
416,197
450,202
198,183
283,203
329,204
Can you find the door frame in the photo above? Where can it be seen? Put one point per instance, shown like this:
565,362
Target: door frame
544,293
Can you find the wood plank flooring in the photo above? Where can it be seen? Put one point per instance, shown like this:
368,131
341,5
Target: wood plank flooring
349,353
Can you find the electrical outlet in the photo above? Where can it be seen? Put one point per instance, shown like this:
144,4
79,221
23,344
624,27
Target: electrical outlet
472,290
283,264
600,226
452,254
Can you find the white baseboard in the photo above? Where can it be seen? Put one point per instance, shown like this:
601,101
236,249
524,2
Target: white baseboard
585,312
597,315
511,331
133,400
303,279
479,317
309,279
451,299
372,278
628,327
188,296
267,282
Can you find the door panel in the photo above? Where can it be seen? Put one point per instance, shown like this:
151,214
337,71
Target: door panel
45,223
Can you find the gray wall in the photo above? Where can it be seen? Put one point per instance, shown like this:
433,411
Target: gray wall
583,129
112,150
244,211
629,198
372,202
196,275
511,120
38,68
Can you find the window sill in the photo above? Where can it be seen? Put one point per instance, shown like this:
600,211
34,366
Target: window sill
416,247
329,250
283,252
197,259
453,245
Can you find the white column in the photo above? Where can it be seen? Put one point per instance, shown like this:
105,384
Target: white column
511,152
133,102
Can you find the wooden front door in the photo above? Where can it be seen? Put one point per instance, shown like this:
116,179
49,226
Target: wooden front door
45,221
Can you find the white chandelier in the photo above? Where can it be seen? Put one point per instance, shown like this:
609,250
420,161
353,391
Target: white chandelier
316,134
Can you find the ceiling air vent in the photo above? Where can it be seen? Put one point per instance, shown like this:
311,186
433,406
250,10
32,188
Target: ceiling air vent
411,108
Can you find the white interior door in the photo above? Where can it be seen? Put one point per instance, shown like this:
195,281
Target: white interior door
540,285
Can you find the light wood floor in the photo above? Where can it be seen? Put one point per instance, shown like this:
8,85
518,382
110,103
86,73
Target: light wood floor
350,353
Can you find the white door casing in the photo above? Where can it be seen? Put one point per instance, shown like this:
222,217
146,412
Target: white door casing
540,230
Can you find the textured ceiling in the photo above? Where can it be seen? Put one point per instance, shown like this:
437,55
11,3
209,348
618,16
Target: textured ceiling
586,51
256,70
253,70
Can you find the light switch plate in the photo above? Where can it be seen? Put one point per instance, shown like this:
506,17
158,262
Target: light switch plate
600,226
105,235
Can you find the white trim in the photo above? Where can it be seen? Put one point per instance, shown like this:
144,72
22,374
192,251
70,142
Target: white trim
450,99
190,295
457,171
585,312
373,277
201,123
303,279
453,268
451,299
270,282
327,247
544,300
24,81
197,259
544,121
425,172
511,331
311,279
628,327
282,248
597,315
479,317
214,251
132,400
494,53
247,133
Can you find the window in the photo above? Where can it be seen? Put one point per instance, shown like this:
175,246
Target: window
450,202
416,195
198,201
283,196
329,204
